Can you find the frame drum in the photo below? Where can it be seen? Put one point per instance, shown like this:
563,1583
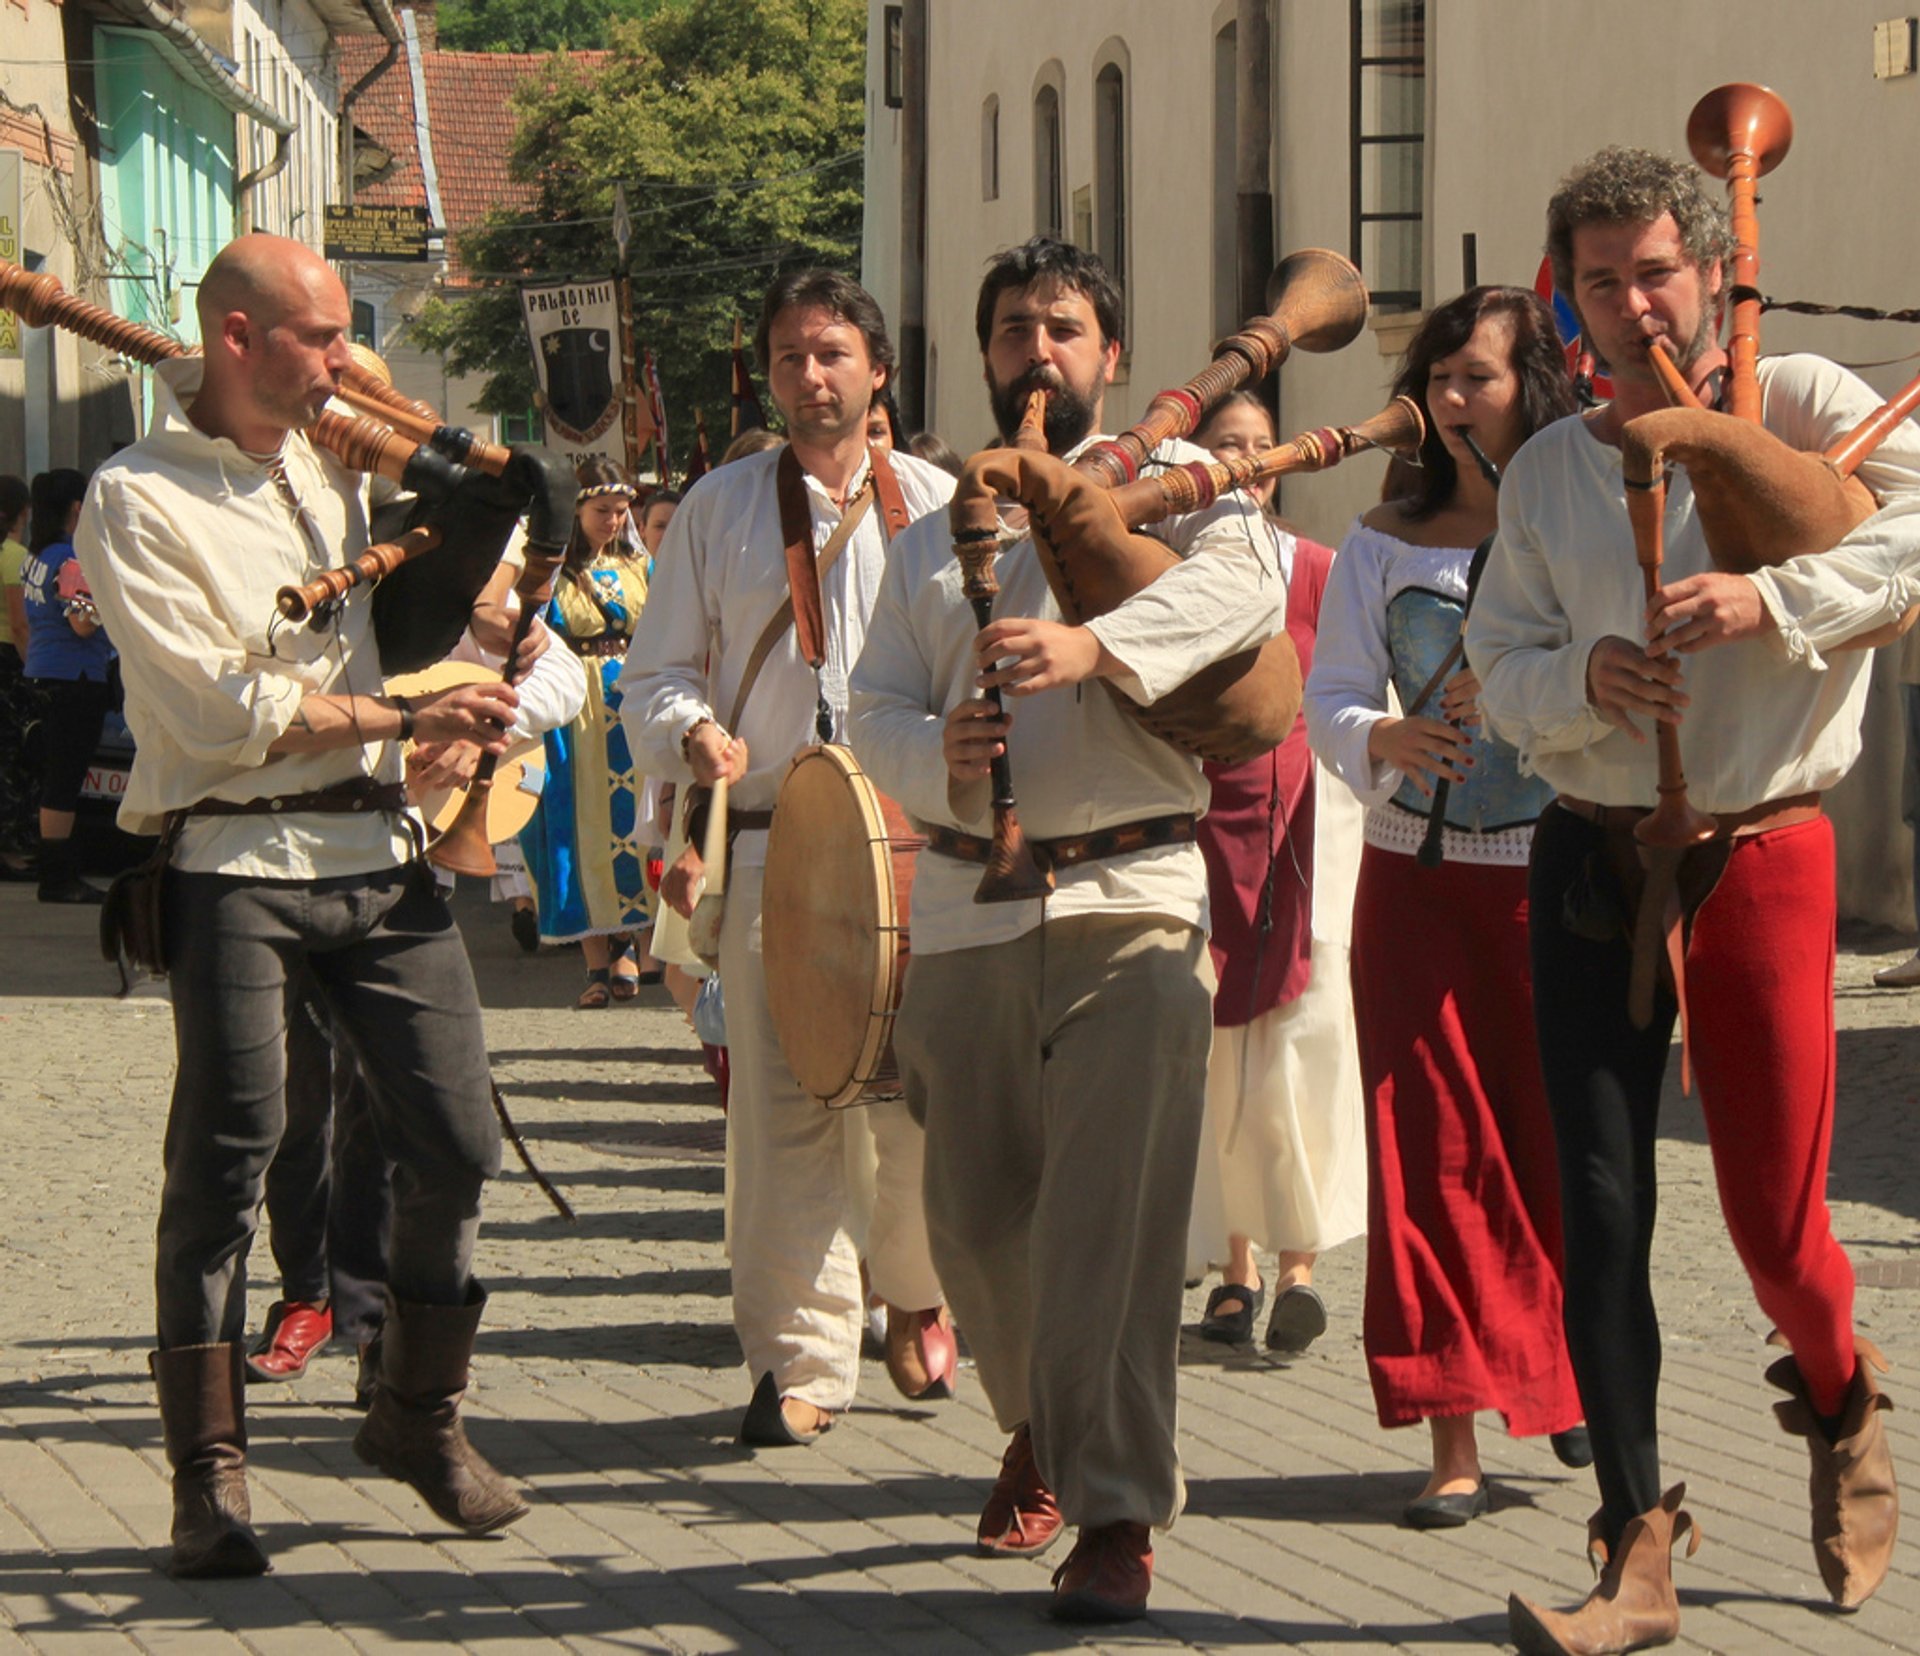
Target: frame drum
833,927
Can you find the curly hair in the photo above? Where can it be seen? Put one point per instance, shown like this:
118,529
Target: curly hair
1539,363
1622,185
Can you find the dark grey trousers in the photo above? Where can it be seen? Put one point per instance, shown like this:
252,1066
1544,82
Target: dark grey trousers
385,958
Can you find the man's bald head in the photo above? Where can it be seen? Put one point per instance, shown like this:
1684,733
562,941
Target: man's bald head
265,277
273,336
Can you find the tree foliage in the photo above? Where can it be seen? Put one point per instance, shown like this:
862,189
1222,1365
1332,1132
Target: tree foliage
532,25
736,130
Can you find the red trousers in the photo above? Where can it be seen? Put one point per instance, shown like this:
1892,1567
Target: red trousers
1760,990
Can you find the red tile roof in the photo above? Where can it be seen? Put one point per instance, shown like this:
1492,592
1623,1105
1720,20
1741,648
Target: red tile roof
469,118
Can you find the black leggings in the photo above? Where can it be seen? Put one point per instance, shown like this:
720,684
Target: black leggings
1603,1081
76,712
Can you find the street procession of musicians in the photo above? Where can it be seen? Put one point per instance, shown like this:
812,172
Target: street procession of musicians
1077,735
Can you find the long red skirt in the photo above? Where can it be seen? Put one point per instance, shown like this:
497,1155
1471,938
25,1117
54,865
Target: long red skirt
1463,1201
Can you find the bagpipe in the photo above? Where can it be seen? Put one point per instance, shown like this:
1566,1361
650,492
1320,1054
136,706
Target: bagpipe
468,497
1759,502
1083,517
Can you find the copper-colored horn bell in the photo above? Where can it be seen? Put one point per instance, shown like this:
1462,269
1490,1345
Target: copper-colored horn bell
1740,118
1319,298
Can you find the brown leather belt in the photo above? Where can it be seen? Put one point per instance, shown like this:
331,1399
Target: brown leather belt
1072,849
1755,819
358,795
599,646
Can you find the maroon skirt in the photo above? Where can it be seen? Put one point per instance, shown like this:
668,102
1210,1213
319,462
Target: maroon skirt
1463,1202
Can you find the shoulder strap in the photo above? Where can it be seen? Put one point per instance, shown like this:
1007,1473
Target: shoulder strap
803,576
893,504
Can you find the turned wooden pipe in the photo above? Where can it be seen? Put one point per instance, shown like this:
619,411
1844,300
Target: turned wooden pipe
1399,428
1317,302
1014,871
1740,132
39,300
297,603
372,397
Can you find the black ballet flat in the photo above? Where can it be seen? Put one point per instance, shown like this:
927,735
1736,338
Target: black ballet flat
1573,1447
764,1426
1231,1309
1448,1511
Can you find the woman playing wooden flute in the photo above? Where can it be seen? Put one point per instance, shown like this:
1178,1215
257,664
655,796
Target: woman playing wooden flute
1463,1279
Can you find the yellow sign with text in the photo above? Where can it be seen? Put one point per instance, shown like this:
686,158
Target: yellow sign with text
10,347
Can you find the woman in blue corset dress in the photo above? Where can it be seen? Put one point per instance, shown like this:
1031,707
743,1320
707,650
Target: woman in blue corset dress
587,845
1463,1303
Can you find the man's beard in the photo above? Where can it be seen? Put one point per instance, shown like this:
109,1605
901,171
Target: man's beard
1070,416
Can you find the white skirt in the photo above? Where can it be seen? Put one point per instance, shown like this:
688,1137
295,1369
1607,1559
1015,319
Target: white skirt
1283,1151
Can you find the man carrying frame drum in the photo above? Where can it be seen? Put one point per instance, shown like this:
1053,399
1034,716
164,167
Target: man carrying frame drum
1056,1048
758,608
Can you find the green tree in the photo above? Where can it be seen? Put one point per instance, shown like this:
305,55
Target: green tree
532,25
736,130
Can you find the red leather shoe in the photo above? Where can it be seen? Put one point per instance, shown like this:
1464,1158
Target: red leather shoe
922,1357
1107,1575
1021,1517
295,1331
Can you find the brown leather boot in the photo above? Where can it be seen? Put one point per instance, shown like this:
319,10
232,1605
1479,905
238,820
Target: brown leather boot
1632,1607
413,1432
202,1414
1856,1509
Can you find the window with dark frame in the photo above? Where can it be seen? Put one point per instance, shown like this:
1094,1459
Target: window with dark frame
990,149
1110,163
1049,207
1387,150
893,28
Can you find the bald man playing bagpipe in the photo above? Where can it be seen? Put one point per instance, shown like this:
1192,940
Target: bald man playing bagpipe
270,762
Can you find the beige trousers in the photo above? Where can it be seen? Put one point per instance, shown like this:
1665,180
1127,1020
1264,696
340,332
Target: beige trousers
808,1191
1061,1078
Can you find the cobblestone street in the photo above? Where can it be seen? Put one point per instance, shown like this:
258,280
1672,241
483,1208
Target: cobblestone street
609,1381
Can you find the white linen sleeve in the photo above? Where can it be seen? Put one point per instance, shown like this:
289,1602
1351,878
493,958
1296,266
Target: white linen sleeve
1520,644
894,721
1225,595
193,676
663,685
1352,665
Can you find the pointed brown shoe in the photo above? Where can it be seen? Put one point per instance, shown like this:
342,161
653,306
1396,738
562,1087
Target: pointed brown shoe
1856,1507
1107,1576
922,1358
1632,1608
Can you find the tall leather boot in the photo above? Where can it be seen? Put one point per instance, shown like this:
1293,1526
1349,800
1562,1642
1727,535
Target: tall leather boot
413,1432
1856,1508
1632,1607
202,1413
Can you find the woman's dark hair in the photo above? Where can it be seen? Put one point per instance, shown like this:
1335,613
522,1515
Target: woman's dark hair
1539,362
15,497
935,450
594,472
55,494
883,400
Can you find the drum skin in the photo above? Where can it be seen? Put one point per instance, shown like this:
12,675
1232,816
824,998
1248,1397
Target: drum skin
833,927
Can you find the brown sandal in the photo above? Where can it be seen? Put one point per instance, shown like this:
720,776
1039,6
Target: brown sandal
596,994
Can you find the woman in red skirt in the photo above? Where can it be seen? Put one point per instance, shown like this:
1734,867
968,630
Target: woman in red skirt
1463,1305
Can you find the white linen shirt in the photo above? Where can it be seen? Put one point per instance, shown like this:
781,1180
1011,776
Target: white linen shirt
720,574
1768,717
186,539
1079,762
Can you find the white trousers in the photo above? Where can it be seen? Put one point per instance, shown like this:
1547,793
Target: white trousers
803,1184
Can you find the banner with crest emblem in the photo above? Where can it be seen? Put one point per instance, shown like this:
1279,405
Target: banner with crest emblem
573,329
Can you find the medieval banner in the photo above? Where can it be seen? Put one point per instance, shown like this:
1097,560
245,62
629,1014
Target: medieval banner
574,331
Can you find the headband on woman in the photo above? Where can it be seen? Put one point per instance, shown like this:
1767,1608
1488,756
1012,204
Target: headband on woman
597,491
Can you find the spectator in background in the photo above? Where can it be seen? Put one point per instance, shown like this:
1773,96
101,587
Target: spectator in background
932,447
16,700
654,518
754,440
1906,975
68,658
